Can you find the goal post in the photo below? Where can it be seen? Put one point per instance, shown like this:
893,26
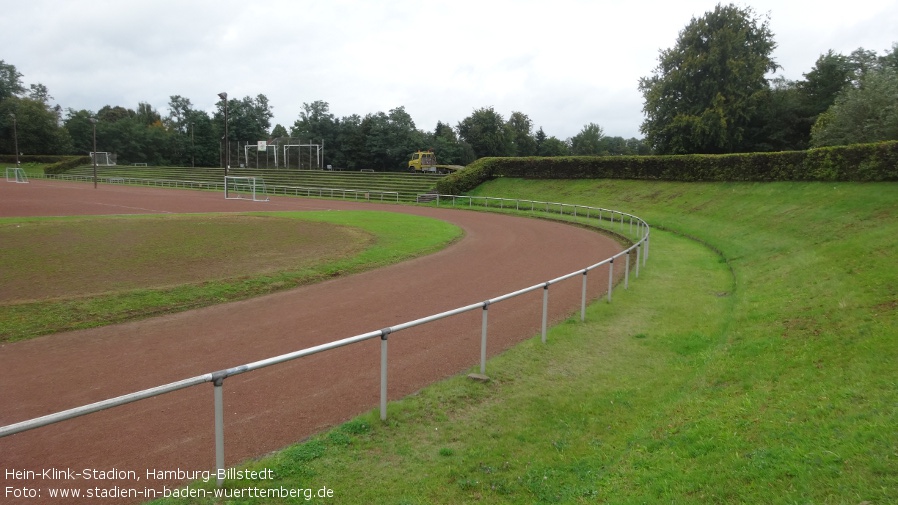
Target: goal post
245,188
16,174
102,159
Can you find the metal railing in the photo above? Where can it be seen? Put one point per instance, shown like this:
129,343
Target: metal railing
217,378
270,189
365,194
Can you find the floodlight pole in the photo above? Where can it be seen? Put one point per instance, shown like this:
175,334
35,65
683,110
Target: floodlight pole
15,136
192,149
94,123
224,96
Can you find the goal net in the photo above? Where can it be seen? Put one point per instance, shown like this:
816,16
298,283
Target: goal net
245,188
102,159
16,175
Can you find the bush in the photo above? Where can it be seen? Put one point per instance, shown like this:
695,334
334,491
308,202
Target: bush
862,163
67,164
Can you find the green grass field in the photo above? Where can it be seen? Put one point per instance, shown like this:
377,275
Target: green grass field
753,361
69,273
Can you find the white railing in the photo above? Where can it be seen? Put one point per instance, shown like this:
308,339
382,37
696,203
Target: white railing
271,189
357,194
640,247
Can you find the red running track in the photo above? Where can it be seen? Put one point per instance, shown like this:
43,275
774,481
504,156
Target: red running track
274,407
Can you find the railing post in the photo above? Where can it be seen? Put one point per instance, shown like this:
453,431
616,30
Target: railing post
645,254
627,271
637,260
610,278
583,297
545,309
383,373
219,429
486,307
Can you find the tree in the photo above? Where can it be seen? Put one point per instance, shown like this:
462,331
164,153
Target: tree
890,60
317,125
40,93
520,131
179,112
485,131
445,143
554,146
867,113
37,127
706,90
10,81
831,74
539,140
588,142
279,131
351,143
389,138
249,119
783,122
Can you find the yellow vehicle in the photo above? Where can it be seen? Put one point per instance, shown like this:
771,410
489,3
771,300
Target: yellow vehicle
426,162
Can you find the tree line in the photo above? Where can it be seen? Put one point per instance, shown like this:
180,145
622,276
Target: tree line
186,136
710,93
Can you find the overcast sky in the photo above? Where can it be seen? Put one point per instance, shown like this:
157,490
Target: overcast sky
564,63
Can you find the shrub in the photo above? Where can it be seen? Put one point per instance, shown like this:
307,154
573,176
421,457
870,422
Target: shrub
862,162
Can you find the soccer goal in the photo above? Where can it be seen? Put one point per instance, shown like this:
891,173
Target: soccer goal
102,159
14,174
245,188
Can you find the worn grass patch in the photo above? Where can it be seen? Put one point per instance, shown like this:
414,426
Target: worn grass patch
70,273
66,258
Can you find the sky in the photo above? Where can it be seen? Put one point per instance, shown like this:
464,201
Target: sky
565,63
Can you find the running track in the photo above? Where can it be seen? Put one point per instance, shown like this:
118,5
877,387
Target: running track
270,408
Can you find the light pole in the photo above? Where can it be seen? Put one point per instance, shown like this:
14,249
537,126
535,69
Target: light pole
224,96
15,136
93,122
192,149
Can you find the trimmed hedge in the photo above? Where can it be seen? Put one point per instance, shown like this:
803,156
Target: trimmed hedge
862,162
37,158
66,164
57,164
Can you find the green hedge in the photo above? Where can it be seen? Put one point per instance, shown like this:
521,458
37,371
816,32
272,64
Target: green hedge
863,162
57,164
67,164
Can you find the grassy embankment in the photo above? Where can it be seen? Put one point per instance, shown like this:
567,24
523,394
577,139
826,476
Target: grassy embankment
758,366
70,273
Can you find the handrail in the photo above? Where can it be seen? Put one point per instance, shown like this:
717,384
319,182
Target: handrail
272,189
640,246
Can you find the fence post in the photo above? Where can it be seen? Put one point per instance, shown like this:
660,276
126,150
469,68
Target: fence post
545,309
383,373
627,271
637,260
645,254
583,298
219,428
610,278
486,306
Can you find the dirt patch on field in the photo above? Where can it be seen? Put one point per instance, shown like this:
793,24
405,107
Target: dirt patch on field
64,258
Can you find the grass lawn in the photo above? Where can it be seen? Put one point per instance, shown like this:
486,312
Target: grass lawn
69,273
753,361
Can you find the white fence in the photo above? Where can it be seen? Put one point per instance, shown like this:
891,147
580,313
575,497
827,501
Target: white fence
637,227
353,194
